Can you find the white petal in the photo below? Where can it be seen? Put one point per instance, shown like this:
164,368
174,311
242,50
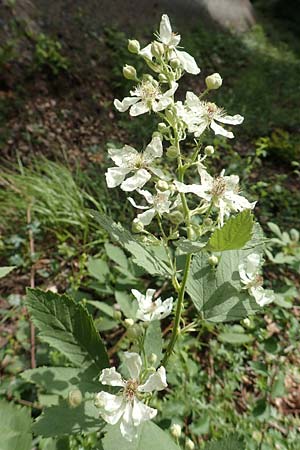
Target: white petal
156,382
127,428
170,92
238,202
111,377
192,100
206,179
191,188
125,103
220,130
146,52
148,196
153,150
159,173
162,104
198,128
132,201
141,412
111,406
115,176
188,62
148,297
147,216
262,297
165,32
133,363
163,310
253,263
138,109
136,181
231,120
121,156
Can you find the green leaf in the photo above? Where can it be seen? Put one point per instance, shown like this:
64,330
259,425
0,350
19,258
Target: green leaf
234,234
127,304
61,380
15,427
217,292
150,437
153,341
185,246
151,258
235,338
6,270
63,420
278,388
98,269
117,255
229,443
68,327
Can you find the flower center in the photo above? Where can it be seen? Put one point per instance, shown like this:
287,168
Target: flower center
131,389
148,91
258,281
211,109
219,187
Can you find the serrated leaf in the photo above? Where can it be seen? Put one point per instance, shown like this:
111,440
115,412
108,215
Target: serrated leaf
116,254
68,327
6,270
153,341
98,269
127,304
15,427
153,260
150,437
63,420
217,292
234,234
185,246
61,380
235,338
229,443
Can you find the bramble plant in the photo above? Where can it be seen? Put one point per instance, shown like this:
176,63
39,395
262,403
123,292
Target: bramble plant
205,246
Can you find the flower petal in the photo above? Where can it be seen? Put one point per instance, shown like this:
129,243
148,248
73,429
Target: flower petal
146,52
133,363
125,103
111,377
141,412
148,196
262,296
231,120
220,130
153,150
166,35
122,156
115,176
138,109
127,428
156,382
188,62
197,189
132,201
111,406
136,181
147,216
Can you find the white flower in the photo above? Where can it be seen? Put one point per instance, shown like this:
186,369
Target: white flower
146,97
126,408
201,115
159,204
149,310
221,192
251,278
127,160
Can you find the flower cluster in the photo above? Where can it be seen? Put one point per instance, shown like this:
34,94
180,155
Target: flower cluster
253,281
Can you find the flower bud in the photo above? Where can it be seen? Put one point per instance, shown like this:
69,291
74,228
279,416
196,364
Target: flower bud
247,322
128,323
117,315
213,260
134,332
137,226
162,78
176,217
152,358
129,72
162,127
75,398
294,235
213,81
157,49
162,185
207,222
189,445
175,63
148,77
172,152
175,430
156,134
209,150
133,46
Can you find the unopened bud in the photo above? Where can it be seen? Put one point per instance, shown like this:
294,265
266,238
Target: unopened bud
162,127
213,260
157,49
209,150
189,445
117,315
128,323
152,358
156,134
247,322
134,331
148,77
207,222
175,430
162,186
133,46
176,217
172,152
213,81
75,398
175,63
294,235
162,78
129,72
137,226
